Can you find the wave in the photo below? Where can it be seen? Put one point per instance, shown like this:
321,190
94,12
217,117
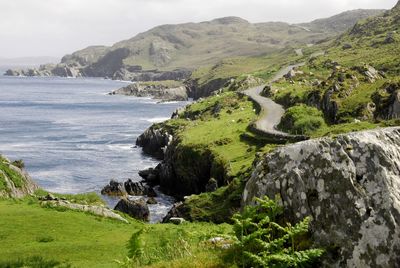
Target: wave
157,119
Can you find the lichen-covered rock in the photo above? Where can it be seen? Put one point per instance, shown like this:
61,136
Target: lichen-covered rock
349,185
14,181
387,101
96,210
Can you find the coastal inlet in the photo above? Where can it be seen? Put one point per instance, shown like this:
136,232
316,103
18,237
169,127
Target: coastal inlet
73,137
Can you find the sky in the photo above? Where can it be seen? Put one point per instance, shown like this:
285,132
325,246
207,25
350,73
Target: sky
58,27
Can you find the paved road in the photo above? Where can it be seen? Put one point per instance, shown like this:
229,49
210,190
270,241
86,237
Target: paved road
271,112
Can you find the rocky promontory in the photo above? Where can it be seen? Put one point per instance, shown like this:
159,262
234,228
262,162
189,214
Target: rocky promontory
163,91
349,185
14,180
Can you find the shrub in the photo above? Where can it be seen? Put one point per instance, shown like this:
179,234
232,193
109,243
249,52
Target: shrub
19,163
302,119
262,242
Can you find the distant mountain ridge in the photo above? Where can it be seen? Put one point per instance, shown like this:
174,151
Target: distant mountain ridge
171,51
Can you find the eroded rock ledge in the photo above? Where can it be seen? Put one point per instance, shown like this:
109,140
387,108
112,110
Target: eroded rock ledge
160,92
350,185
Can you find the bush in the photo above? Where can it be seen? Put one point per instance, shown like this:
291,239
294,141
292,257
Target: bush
35,261
19,163
302,119
262,242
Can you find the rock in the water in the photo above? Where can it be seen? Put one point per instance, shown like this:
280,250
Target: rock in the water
136,209
151,201
349,185
114,188
138,188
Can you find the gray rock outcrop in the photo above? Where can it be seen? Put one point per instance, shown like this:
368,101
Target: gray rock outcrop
95,210
14,181
154,141
155,91
349,185
137,209
129,187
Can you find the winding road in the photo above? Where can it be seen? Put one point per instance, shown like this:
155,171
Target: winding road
271,112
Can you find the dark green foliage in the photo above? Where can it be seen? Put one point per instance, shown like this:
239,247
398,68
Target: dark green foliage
302,119
19,163
218,206
33,262
262,242
135,249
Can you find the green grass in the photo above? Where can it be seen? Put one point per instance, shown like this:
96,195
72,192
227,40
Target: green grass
84,240
221,134
13,175
343,128
84,199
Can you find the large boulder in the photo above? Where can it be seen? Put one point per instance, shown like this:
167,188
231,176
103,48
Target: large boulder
139,188
137,209
349,185
114,188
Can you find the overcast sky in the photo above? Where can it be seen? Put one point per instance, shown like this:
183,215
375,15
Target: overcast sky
57,27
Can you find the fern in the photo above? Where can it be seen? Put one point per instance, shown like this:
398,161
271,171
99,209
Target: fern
262,242
135,249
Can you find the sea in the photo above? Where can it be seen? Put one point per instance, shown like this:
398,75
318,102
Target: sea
74,137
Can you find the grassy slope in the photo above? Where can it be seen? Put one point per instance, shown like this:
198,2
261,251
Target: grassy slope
84,240
368,47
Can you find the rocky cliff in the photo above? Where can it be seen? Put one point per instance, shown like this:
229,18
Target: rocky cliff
349,185
14,181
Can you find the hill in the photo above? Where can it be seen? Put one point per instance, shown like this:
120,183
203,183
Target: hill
171,51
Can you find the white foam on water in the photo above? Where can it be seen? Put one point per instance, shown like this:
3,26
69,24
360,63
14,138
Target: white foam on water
157,119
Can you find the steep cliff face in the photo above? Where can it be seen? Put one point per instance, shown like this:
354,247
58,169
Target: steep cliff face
350,185
14,182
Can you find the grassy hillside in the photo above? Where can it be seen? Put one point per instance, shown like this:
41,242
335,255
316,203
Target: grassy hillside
192,45
344,86
354,83
82,240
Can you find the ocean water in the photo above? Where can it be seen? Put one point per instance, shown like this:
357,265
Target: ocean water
72,136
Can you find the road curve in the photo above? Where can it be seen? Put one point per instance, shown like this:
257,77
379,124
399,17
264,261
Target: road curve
271,112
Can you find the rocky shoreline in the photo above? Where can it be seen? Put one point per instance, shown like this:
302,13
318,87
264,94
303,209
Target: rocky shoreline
156,91
124,73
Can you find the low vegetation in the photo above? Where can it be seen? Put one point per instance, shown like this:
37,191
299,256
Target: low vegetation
31,235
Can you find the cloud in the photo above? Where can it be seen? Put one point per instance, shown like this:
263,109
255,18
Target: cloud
57,27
